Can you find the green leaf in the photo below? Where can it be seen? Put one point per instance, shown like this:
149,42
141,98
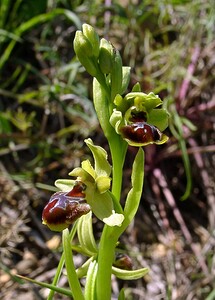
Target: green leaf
177,130
85,234
70,268
61,263
188,123
122,294
129,274
211,296
90,287
47,285
134,195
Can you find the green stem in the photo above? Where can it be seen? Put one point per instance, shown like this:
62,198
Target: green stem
109,236
105,260
118,148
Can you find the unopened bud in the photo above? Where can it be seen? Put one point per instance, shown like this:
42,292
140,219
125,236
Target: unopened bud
116,75
106,56
123,261
92,36
84,52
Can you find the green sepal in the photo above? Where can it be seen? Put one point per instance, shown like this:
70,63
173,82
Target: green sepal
102,207
136,87
129,274
85,234
102,166
159,118
144,102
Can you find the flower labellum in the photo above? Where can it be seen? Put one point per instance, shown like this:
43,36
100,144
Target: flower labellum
141,133
123,261
64,208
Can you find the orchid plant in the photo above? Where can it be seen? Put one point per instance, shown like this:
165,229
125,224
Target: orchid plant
136,119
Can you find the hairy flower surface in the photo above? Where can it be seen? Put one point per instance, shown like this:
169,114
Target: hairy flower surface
64,208
139,120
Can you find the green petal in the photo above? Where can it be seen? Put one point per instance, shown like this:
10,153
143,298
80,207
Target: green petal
103,183
86,165
101,204
102,166
65,185
83,175
116,120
